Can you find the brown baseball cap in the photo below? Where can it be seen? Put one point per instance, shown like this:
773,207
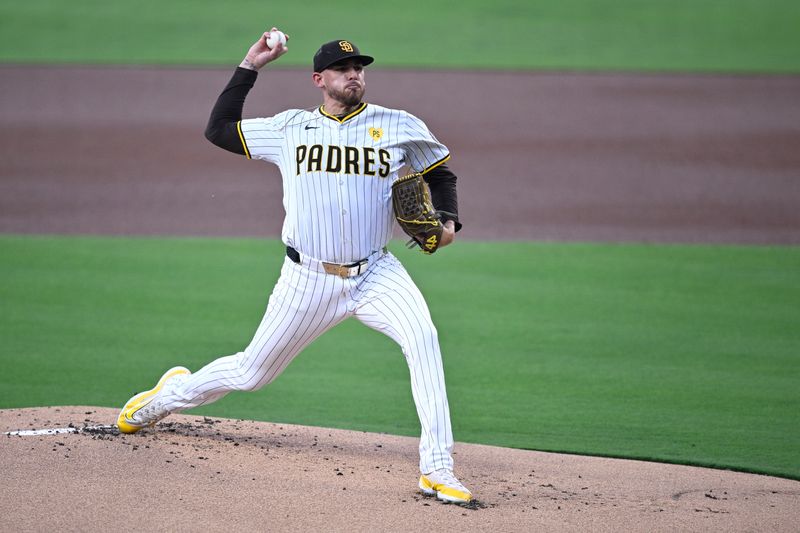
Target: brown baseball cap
338,50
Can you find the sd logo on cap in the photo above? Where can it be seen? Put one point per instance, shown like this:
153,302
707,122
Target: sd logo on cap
335,51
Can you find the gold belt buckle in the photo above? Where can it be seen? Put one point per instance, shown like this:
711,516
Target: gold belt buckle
344,271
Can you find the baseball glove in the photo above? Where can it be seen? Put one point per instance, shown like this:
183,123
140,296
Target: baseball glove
415,213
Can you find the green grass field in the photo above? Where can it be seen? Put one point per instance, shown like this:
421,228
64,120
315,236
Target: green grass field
680,35
686,354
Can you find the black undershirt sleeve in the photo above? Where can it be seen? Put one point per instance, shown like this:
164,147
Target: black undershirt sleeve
442,183
227,112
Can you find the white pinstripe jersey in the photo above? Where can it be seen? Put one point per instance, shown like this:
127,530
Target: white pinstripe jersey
337,173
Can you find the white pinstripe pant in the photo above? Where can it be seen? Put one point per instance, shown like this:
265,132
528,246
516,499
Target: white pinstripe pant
306,303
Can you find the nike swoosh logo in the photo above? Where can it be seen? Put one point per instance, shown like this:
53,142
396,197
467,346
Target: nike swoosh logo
311,127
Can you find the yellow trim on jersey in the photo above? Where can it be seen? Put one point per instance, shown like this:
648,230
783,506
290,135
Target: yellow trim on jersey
440,162
324,113
241,138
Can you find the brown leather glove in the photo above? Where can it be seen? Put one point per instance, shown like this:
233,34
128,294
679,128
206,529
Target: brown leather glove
415,213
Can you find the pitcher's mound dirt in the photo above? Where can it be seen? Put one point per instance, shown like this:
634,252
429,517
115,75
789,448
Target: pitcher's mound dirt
196,473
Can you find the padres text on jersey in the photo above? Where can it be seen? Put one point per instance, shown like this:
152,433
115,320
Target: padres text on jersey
342,160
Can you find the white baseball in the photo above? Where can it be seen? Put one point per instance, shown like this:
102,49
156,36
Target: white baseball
274,38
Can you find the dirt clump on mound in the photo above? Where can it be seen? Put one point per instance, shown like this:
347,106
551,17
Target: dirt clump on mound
191,472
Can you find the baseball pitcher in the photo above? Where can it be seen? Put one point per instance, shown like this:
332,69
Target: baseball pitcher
338,163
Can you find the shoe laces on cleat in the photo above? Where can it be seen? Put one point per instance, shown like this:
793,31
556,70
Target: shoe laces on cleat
151,413
156,409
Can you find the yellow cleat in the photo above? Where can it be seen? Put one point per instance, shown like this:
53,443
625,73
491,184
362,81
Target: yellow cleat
145,409
444,485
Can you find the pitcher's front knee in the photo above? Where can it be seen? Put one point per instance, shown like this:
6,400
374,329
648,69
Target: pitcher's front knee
257,372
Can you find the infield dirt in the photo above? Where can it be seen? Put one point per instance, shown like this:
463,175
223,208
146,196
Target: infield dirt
195,473
541,156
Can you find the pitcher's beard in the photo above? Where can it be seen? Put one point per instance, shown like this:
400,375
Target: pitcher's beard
346,97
